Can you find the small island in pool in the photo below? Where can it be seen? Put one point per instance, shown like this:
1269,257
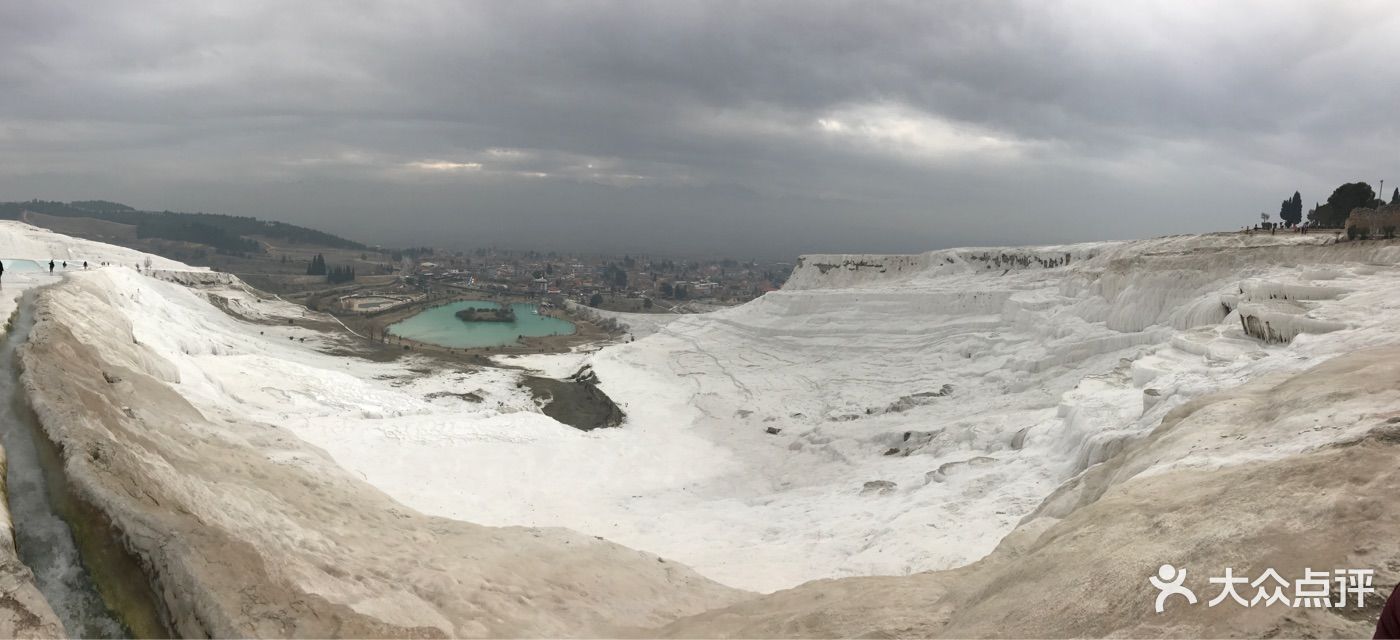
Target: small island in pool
496,314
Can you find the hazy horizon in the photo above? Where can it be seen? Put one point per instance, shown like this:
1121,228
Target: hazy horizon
752,130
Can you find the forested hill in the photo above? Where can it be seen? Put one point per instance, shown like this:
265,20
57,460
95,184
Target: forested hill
229,234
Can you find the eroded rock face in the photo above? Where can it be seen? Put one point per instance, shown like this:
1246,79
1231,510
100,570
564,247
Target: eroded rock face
247,531
1320,497
1375,221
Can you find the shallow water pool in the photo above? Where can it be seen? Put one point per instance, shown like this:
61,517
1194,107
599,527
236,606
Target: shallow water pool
440,326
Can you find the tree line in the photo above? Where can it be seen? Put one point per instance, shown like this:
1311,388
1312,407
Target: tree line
333,275
170,228
1334,212
223,232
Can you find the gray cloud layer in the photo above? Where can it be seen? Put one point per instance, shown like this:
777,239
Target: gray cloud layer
747,128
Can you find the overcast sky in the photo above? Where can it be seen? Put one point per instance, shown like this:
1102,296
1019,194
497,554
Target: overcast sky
764,128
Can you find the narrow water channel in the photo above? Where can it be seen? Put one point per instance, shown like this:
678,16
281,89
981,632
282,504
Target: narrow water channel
46,542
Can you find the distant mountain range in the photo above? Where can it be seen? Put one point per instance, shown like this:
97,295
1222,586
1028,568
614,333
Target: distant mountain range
226,234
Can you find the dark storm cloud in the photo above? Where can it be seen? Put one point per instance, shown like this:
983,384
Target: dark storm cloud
743,127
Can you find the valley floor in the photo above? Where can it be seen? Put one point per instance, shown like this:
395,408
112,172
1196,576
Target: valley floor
940,432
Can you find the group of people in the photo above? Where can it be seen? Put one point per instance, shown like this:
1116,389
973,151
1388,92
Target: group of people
52,266
65,265
1273,228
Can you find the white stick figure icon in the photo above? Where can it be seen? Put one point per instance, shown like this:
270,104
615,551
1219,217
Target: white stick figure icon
1169,581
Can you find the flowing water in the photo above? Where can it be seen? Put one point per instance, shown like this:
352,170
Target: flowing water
441,326
46,542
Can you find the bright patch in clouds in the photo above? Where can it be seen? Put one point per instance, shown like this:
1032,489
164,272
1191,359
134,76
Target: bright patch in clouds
897,129
509,154
444,166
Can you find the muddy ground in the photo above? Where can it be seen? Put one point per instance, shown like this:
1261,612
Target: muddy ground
576,401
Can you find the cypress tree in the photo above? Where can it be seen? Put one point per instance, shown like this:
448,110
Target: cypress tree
1291,211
